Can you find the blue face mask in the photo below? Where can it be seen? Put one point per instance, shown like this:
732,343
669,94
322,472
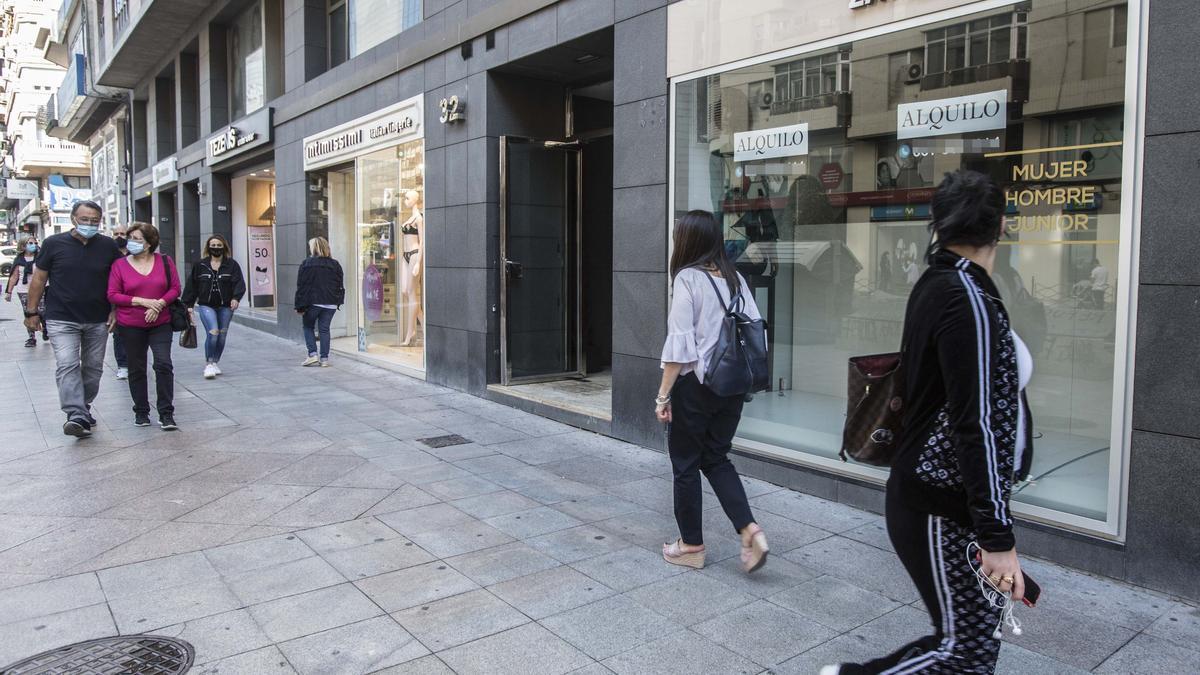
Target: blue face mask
87,231
31,248
135,247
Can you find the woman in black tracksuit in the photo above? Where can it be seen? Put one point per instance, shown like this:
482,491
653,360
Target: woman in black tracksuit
216,286
319,293
967,437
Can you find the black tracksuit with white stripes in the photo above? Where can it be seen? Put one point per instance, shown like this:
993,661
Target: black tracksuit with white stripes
953,474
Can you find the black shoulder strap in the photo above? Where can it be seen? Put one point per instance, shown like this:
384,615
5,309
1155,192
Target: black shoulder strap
733,302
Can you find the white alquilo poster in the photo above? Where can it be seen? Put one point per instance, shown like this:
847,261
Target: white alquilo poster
788,141
944,116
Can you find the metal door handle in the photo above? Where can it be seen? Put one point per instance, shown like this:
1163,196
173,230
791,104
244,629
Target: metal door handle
513,269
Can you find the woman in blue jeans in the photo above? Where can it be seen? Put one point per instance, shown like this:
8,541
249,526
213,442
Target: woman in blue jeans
319,293
215,287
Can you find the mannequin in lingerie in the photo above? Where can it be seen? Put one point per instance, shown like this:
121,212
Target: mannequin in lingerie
412,235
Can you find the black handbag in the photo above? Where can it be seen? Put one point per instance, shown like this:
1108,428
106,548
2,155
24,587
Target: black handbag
187,338
874,409
738,365
178,310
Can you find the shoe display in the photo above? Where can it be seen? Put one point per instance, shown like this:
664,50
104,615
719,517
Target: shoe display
77,428
210,371
122,373
141,420
167,422
31,342
311,361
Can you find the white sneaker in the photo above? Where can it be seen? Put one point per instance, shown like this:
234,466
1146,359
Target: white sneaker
209,371
122,373
311,361
216,369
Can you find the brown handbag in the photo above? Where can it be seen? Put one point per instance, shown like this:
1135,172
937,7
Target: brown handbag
874,409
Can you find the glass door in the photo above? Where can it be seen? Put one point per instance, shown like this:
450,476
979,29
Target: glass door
540,332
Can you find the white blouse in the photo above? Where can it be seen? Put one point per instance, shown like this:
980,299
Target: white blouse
1024,375
694,323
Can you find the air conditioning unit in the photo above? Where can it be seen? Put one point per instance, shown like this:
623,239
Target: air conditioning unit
765,100
914,73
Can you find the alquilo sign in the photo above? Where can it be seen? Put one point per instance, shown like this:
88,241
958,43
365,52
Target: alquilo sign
786,141
392,125
978,112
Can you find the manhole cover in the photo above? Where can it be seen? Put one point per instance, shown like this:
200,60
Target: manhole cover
443,441
129,654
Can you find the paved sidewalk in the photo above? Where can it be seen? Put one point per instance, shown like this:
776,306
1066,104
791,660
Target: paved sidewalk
296,524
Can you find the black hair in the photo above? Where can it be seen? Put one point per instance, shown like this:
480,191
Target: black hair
86,204
968,210
700,242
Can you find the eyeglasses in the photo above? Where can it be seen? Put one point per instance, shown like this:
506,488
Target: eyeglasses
88,221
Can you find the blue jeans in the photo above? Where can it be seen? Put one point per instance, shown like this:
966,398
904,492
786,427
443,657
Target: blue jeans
216,326
319,318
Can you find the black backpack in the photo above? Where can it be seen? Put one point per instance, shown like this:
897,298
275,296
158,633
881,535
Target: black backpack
739,363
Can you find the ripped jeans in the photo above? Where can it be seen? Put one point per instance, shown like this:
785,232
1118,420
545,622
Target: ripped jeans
216,326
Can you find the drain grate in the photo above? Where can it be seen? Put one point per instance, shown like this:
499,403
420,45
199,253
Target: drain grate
129,654
443,441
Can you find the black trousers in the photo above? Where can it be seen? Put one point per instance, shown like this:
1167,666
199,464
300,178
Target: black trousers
934,551
699,439
158,340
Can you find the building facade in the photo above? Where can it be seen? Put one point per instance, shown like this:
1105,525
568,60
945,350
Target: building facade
43,176
499,180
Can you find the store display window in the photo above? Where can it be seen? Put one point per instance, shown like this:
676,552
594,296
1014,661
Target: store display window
822,164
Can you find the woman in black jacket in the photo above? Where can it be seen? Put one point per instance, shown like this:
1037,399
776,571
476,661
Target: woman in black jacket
319,293
967,438
216,286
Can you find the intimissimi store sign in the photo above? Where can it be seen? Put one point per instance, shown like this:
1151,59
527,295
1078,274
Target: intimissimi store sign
390,126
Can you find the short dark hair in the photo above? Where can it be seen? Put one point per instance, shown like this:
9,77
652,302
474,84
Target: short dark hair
149,233
967,209
86,204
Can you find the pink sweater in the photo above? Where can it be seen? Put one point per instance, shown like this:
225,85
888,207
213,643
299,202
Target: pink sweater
125,283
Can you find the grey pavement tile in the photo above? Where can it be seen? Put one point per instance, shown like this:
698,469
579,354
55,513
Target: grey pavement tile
489,464
534,522
307,613
398,458
257,554
862,565
290,578
250,505
11,580
834,603
352,649
871,640
537,450
651,493
550,592
460,488
72,544
1181,626
377,558
433,473
458,453
783,535
220,635
245,468
501,563
594,471
31,636
163,607
1148,654
648,529
610,626
873,534
578,543
459,619
597,508
679,651
689,598
367,475
172,501
779,574
16,529
1079,640
49,597
425,519
166,540
258,532
152,575
413,586
526,649
745,631
812,510
265,661
627,568
495,504
403,498
350,534
328,505
315,470
459,539
1105,599
426,665
1014,660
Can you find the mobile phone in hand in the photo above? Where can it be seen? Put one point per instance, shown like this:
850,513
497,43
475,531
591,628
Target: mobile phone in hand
1032,590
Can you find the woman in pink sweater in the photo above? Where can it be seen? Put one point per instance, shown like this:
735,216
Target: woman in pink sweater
140,286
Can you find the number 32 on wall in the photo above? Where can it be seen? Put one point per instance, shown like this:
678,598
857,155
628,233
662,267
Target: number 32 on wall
452,110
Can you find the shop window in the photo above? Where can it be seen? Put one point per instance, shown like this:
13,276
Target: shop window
248,62
832,239
357,25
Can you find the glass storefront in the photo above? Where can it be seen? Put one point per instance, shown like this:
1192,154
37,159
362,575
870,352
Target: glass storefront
254,238
822,164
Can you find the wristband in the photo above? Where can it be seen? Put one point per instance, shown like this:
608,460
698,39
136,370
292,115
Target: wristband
33,313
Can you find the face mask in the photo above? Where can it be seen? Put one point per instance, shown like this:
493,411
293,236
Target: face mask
31,248
135,247
216,252
87,231
121,241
